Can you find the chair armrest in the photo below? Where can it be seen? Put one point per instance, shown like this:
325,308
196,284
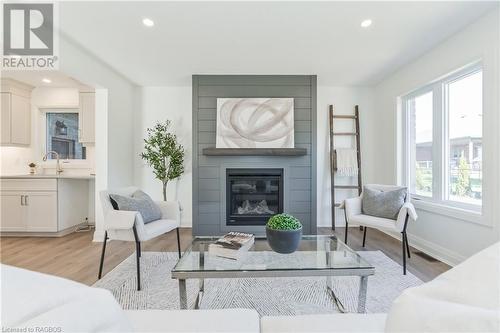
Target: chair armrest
410,209
352,206
406,209
170,210
120,219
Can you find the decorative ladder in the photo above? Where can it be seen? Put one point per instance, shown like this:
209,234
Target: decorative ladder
333,156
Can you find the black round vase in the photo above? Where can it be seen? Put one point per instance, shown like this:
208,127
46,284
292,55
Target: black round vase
283,241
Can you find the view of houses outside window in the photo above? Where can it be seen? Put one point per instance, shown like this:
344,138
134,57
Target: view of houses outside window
465,139
62,136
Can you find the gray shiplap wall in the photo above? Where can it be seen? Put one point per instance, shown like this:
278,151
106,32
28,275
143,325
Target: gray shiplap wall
209,171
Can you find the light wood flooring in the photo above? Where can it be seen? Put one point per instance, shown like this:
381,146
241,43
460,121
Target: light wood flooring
76,257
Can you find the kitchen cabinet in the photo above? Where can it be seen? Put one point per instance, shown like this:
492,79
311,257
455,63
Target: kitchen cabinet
86,117
41,211
43,205
13,213
15,113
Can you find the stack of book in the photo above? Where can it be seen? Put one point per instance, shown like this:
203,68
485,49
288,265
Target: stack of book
232,245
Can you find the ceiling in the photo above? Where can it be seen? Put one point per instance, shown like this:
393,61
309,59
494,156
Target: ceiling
323,38
35,79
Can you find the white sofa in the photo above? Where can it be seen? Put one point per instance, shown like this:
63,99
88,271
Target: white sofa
464,299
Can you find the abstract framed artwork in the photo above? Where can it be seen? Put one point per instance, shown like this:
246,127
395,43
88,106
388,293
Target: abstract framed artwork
255,123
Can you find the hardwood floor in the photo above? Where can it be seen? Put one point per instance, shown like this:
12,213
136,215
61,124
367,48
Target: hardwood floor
423,267
76,257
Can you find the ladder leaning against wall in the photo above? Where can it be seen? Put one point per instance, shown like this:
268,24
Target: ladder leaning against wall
333,155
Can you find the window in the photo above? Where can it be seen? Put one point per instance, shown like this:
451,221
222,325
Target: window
62,136
443,140
465,116
420,112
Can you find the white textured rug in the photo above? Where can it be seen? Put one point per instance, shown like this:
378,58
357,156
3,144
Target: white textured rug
269,296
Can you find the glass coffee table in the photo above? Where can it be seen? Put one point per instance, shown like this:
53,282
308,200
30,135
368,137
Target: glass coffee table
316,256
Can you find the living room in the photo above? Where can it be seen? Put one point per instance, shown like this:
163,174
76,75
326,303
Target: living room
368,132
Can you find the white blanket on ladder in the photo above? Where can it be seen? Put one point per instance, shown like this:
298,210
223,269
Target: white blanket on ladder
347,162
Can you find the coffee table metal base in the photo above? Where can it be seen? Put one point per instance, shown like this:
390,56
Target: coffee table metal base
363,287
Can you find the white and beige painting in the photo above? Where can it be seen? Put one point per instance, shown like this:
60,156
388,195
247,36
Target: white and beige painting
255,123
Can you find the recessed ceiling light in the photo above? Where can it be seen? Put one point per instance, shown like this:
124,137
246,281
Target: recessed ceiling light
148,22
366,23
45,80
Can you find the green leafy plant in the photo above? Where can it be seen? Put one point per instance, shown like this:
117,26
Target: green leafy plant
463,179
164,154
284,222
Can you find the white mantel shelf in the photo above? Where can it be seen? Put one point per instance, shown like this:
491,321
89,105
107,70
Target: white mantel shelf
255,151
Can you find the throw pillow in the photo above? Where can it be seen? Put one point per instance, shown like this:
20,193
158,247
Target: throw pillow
141,202
385,204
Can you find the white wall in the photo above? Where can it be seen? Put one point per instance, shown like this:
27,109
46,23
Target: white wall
15,160
78,63
449,239
343,99
174,103
159,104
115,104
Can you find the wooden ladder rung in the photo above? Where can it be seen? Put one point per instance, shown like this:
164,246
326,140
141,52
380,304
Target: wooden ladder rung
335,150
346,186
342,116
344,133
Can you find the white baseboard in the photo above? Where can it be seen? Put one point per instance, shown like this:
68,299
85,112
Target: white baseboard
186,223
436,251
98,236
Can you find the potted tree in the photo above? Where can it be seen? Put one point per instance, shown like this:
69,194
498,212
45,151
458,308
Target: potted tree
283,233
164,154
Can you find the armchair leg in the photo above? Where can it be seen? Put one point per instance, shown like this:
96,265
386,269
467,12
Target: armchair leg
364,235
102,254
138,266
346,226
407,246
403,242
138,257
178,242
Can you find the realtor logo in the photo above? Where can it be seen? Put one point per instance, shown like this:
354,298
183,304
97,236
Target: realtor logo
28,34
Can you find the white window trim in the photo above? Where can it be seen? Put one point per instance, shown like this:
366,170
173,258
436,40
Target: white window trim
68,163
439,203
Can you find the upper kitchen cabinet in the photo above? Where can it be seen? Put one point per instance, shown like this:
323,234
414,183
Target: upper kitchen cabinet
15,113
87,117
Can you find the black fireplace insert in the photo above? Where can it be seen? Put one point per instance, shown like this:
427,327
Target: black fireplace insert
253,195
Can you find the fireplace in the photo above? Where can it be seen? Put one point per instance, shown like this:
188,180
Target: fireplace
253,195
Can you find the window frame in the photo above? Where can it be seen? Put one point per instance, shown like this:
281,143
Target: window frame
440,152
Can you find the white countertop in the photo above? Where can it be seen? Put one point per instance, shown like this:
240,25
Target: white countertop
45,176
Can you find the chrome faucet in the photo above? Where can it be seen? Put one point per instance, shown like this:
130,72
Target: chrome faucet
58,165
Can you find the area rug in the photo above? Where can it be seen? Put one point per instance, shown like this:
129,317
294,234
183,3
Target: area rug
269,296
